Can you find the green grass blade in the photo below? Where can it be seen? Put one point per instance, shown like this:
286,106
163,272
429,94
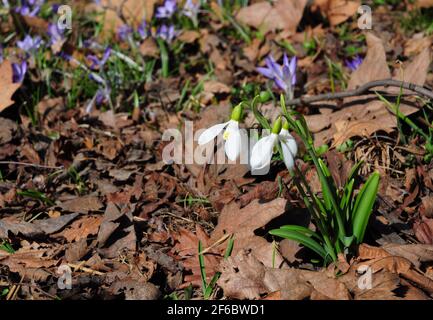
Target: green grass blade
164,57
202,267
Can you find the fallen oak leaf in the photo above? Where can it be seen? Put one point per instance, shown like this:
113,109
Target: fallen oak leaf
243,222
7,86
337,11
82,204
244,277
186,249
82,228
282,15
36,228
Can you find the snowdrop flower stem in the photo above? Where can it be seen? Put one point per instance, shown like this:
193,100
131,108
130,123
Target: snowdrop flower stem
302,130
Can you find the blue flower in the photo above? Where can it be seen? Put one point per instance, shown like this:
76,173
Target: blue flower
19,71
191,10
29,44
283,76
99,63
55,34
29,7
124,31
167,33
355,63
167,10
142,30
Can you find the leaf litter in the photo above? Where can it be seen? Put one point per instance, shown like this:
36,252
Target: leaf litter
90,190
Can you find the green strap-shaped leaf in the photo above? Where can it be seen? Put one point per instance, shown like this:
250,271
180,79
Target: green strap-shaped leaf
302,229
363,206
301,238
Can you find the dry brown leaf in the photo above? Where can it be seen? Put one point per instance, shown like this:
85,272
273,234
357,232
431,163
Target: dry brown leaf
243,222
36,228
415,45
83,204
8,128
186,249
424,3
244,277
337,11
283,15
134,11
189,36
82,228
415,253
116,232
213,86
7,87
148,48
424,230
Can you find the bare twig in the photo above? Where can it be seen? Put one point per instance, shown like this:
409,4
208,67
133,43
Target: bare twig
363,90
31,165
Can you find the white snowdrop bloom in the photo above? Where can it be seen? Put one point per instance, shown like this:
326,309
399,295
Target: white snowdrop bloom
262,151
289,147
232,134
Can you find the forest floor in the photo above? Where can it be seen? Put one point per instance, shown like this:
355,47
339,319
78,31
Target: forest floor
86,193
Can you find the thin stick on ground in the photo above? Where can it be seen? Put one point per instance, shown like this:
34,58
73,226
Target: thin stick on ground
362,90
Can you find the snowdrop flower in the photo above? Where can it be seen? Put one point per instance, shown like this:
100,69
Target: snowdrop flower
232,134
283,76
19,71
167,10
355,63
29,45
261,154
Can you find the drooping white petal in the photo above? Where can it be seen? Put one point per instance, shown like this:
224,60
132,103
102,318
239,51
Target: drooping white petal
285,136
233,142
210,133
262,152
289,148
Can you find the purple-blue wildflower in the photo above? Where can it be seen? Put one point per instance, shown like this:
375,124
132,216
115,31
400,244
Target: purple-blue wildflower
354,63
29,7
167,33
1,54
29,44
284,76
19,71
142,30
167,10
191,10
124,31
55,34
97,63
